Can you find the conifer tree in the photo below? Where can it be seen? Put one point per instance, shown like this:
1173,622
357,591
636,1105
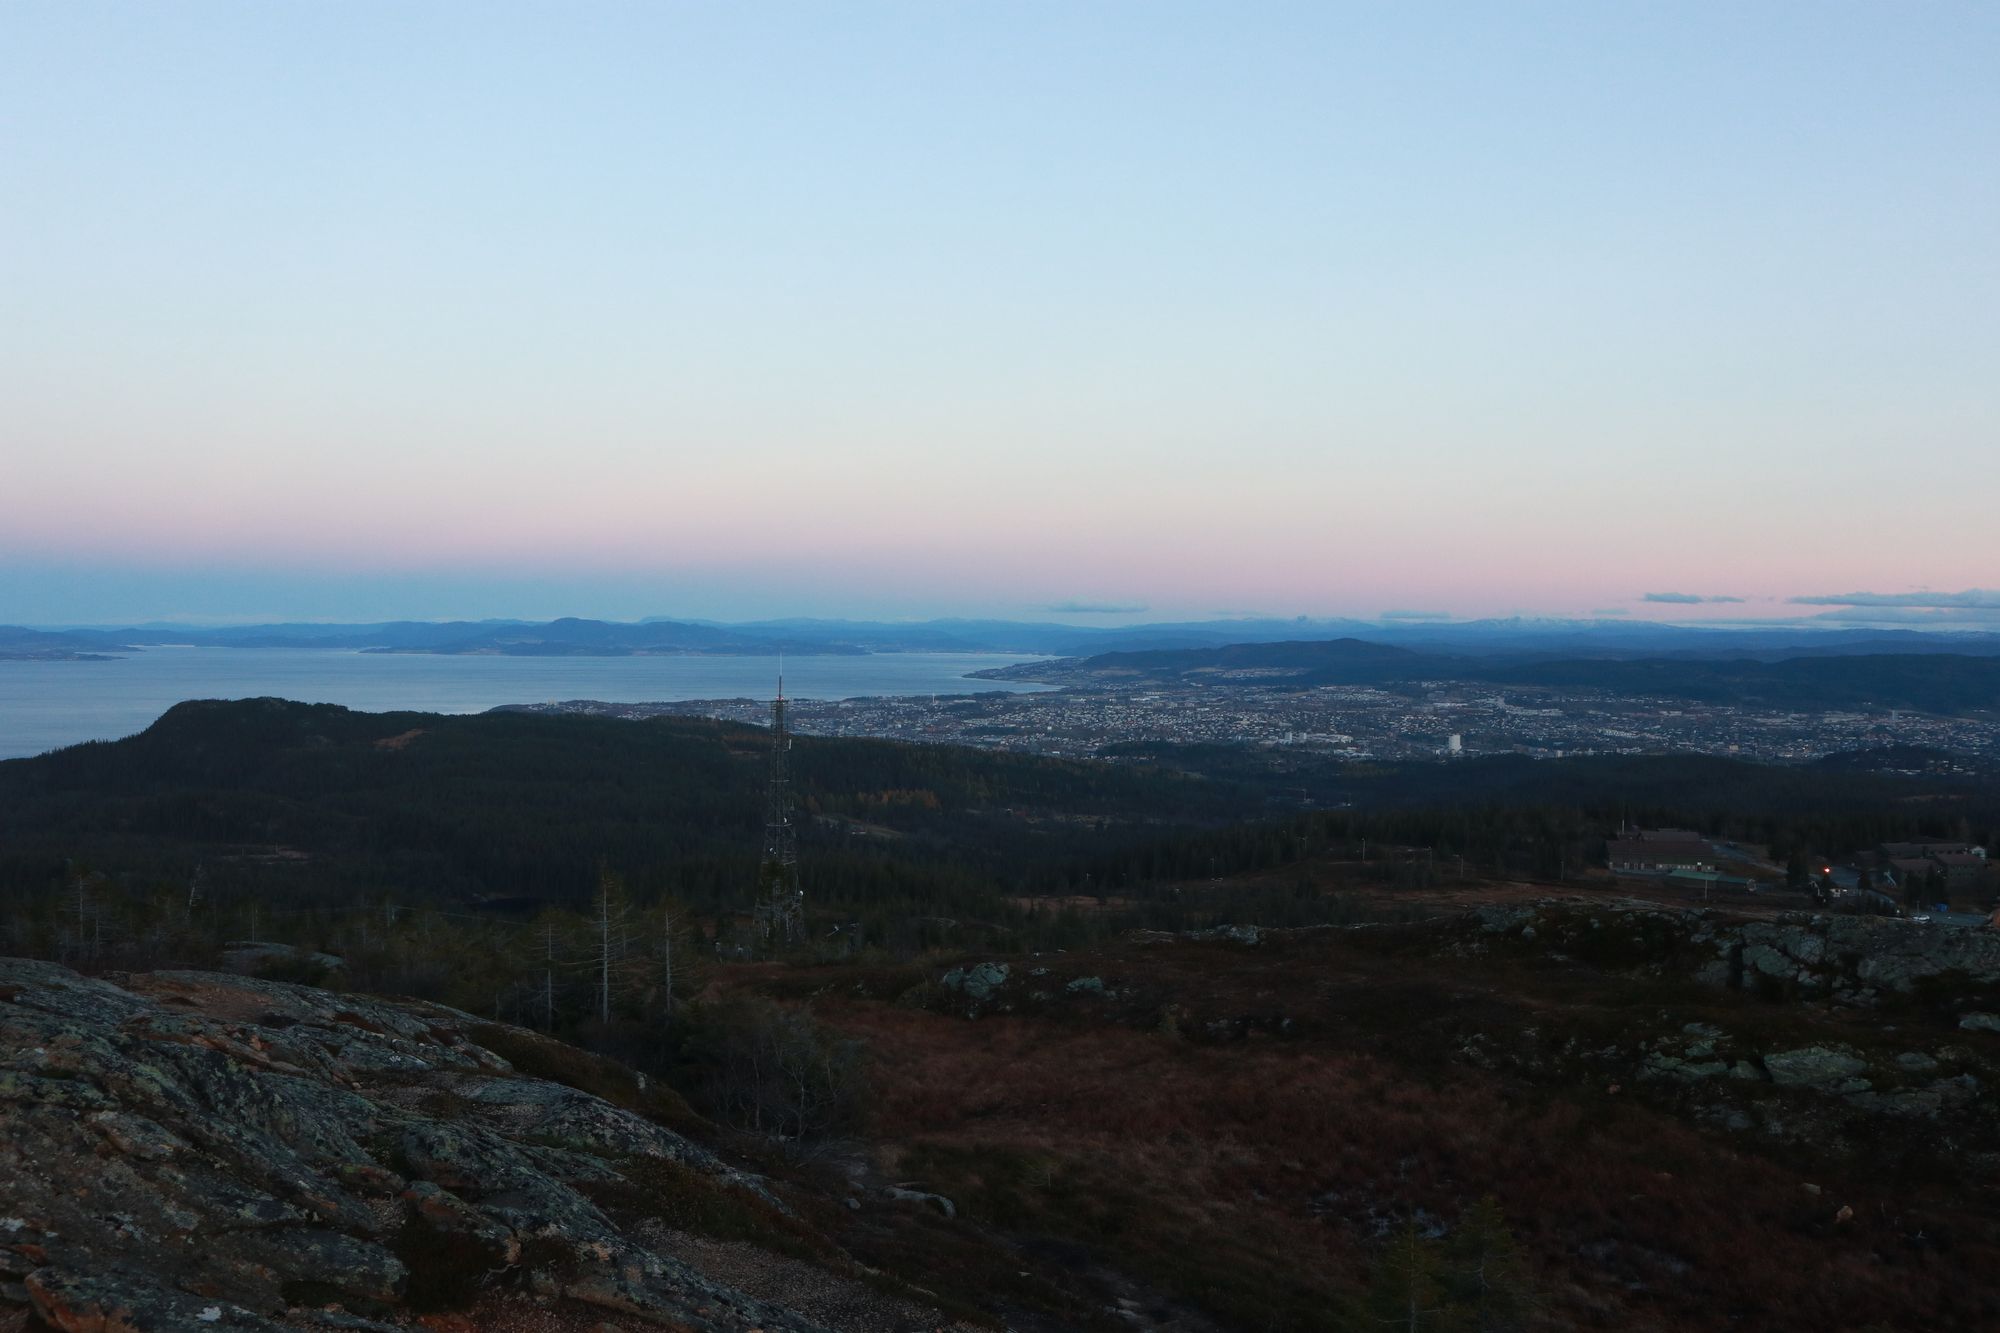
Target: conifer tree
1407,1293
1488,1275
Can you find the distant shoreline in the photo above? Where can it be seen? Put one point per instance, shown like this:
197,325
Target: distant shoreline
578,650
60,657
52,706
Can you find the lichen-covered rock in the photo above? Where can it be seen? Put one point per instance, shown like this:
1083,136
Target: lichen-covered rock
905,1195
1824,1067
1496,919
1856,960
107,1301
191,1150
1229,934
979,982
1772,962
1697,1052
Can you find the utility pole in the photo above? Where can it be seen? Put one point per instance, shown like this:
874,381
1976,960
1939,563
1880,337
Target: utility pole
604,950
549,977
79,883
667,959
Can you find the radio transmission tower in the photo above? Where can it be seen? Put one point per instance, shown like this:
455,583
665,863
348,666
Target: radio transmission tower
781,903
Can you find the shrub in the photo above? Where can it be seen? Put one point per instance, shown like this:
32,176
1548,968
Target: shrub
1475,1279
700,1204
537,1056
771,1070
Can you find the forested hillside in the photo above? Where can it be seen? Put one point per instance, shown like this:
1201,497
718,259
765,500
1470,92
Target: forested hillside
316,803
304,805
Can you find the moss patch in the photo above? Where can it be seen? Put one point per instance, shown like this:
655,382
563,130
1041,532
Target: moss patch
536,1056
663,1191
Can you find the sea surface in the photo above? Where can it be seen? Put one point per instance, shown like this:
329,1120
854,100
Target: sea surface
47,705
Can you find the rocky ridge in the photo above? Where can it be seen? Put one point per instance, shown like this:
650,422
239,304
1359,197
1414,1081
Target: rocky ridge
184,1150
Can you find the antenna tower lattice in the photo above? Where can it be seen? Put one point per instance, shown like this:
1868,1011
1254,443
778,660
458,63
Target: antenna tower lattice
781,903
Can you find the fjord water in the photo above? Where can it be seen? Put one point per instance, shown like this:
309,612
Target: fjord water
46,705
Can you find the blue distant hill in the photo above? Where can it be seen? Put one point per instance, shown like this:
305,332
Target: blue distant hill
1934,682
569,636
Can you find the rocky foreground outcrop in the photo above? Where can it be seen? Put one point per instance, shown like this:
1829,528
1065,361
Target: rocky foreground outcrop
185,1150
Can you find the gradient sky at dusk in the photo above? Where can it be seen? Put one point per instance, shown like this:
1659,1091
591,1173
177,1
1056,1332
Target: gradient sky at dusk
359,311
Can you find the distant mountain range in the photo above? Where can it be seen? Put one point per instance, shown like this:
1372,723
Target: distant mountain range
1518,639
568,637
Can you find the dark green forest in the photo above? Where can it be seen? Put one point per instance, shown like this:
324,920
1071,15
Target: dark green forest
463,846
316,803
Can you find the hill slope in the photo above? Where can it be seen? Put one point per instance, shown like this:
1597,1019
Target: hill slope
317,802
292,804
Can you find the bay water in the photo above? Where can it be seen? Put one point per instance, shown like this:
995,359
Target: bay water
46,705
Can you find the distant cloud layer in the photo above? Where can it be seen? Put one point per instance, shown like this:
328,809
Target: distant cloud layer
1684,598
1095,608
1416,615
1972,598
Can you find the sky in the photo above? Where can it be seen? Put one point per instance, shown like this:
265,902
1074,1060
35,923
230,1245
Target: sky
359,311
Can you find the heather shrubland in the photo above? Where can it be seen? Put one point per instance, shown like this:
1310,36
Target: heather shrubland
1266,1157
